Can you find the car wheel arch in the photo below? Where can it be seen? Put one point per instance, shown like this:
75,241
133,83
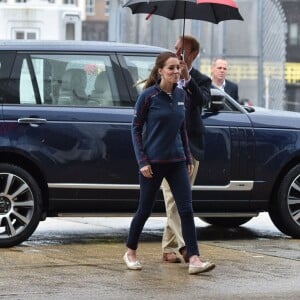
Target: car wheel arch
284,170
22,161
20,205
280,210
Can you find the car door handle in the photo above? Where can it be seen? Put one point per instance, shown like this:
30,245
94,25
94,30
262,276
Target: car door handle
32,121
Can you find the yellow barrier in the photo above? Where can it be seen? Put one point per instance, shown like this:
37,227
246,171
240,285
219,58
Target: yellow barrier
248,70
292,72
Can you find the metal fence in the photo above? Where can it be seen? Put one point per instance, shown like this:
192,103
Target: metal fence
255,48
273,53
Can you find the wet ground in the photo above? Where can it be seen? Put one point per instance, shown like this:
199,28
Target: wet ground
81,258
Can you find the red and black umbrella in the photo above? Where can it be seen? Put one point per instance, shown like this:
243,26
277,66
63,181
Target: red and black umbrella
213,11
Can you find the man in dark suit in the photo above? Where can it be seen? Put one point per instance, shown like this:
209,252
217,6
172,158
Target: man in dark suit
219,70
199,85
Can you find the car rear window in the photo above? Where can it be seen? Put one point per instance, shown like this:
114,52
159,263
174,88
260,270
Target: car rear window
62,79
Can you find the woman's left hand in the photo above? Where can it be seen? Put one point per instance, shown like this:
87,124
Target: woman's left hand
190,169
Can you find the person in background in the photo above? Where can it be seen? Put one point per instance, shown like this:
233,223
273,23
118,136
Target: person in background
161,147
219,68
199,86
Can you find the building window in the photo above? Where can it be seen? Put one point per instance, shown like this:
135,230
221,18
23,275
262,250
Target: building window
107,8
90,7
19,1
70,1
70,31
25,34
30,35
293,34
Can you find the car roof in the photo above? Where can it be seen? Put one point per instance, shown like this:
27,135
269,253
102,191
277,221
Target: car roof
85,46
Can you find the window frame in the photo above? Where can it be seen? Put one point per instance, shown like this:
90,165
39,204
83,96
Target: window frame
26,32
120,98
90,7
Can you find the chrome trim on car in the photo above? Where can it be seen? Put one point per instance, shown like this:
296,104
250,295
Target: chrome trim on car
232,186
160,214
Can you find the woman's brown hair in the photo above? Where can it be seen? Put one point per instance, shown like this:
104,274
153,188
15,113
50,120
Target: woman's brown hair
159,64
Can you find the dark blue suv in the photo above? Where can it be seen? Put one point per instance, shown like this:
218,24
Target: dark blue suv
65,144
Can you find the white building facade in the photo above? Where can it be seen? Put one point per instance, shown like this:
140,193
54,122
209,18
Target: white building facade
41,19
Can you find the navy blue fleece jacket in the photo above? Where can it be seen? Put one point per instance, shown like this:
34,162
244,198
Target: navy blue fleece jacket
158,129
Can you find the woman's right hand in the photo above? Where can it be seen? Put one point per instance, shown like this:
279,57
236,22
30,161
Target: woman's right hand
146,171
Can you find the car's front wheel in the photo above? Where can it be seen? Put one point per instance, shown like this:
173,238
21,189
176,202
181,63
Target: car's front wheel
20,205
285,208
226,222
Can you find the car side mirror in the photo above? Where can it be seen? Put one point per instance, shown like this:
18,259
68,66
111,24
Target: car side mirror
249,109
216,103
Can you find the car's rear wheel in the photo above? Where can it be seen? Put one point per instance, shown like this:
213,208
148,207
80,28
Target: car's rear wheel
226,222
20,205
285,207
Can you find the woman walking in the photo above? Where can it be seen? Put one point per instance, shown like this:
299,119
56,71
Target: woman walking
162,151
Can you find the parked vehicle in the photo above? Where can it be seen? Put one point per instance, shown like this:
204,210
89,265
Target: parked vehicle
65,145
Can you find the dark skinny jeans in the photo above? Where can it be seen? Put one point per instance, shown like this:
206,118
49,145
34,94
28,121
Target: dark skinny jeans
177,176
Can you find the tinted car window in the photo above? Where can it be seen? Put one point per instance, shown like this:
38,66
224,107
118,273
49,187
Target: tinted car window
68,80
6,60
139,68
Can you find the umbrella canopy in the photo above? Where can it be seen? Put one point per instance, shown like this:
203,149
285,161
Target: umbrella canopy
213,11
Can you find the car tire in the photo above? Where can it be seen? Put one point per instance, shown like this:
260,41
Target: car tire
285,208
226,222
20,205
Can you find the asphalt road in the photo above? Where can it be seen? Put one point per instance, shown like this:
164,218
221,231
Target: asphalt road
81,258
